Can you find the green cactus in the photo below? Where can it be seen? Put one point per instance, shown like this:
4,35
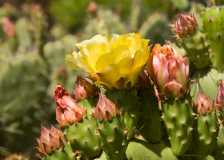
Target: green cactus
207,83
106,22
213,28
54,53
153,119
220,143
129,102
180,4
62,154
69,13
196,43
84,136
18,75
113,138
197,50
139,151
207,133
167,154
177,116
24,35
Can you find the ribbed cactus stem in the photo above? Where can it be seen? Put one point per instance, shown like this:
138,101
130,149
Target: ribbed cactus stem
177,116
84,136
206,125
207,132
213,28
113,139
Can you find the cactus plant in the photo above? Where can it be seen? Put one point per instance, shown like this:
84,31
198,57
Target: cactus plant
21,73
187,29
134,101
139,106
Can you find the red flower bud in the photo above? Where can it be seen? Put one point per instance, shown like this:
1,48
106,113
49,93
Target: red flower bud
219,101
83,89
169,70
50,140
105,109
59,93
203,103
67,110
185,24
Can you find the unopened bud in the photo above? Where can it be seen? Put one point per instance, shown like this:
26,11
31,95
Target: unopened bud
185,24
219,101
83,89
203,103
50,140
105,109
67,110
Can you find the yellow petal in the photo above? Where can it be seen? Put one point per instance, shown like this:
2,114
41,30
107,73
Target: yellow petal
112,61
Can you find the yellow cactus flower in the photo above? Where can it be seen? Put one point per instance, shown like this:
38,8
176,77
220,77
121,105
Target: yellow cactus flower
112,61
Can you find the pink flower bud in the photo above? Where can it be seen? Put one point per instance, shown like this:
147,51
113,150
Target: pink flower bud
83,89
169,70
50,140
203,103
59,93
219,101
67,110
92,7
8,27
105,109
185,24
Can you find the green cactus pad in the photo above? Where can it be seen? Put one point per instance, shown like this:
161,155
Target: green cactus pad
207,84
138,151
129,104
62,154
177,116
207,132
220,143
113,138
88,105
167,154
84,137
197,50
213,22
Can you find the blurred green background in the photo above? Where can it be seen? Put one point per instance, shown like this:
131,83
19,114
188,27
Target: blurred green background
35,35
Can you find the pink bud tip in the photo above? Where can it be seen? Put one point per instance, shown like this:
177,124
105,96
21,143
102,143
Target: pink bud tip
185,24
83,89
219,101
169,70
67,110
105,109
203,103
50,140
8,27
